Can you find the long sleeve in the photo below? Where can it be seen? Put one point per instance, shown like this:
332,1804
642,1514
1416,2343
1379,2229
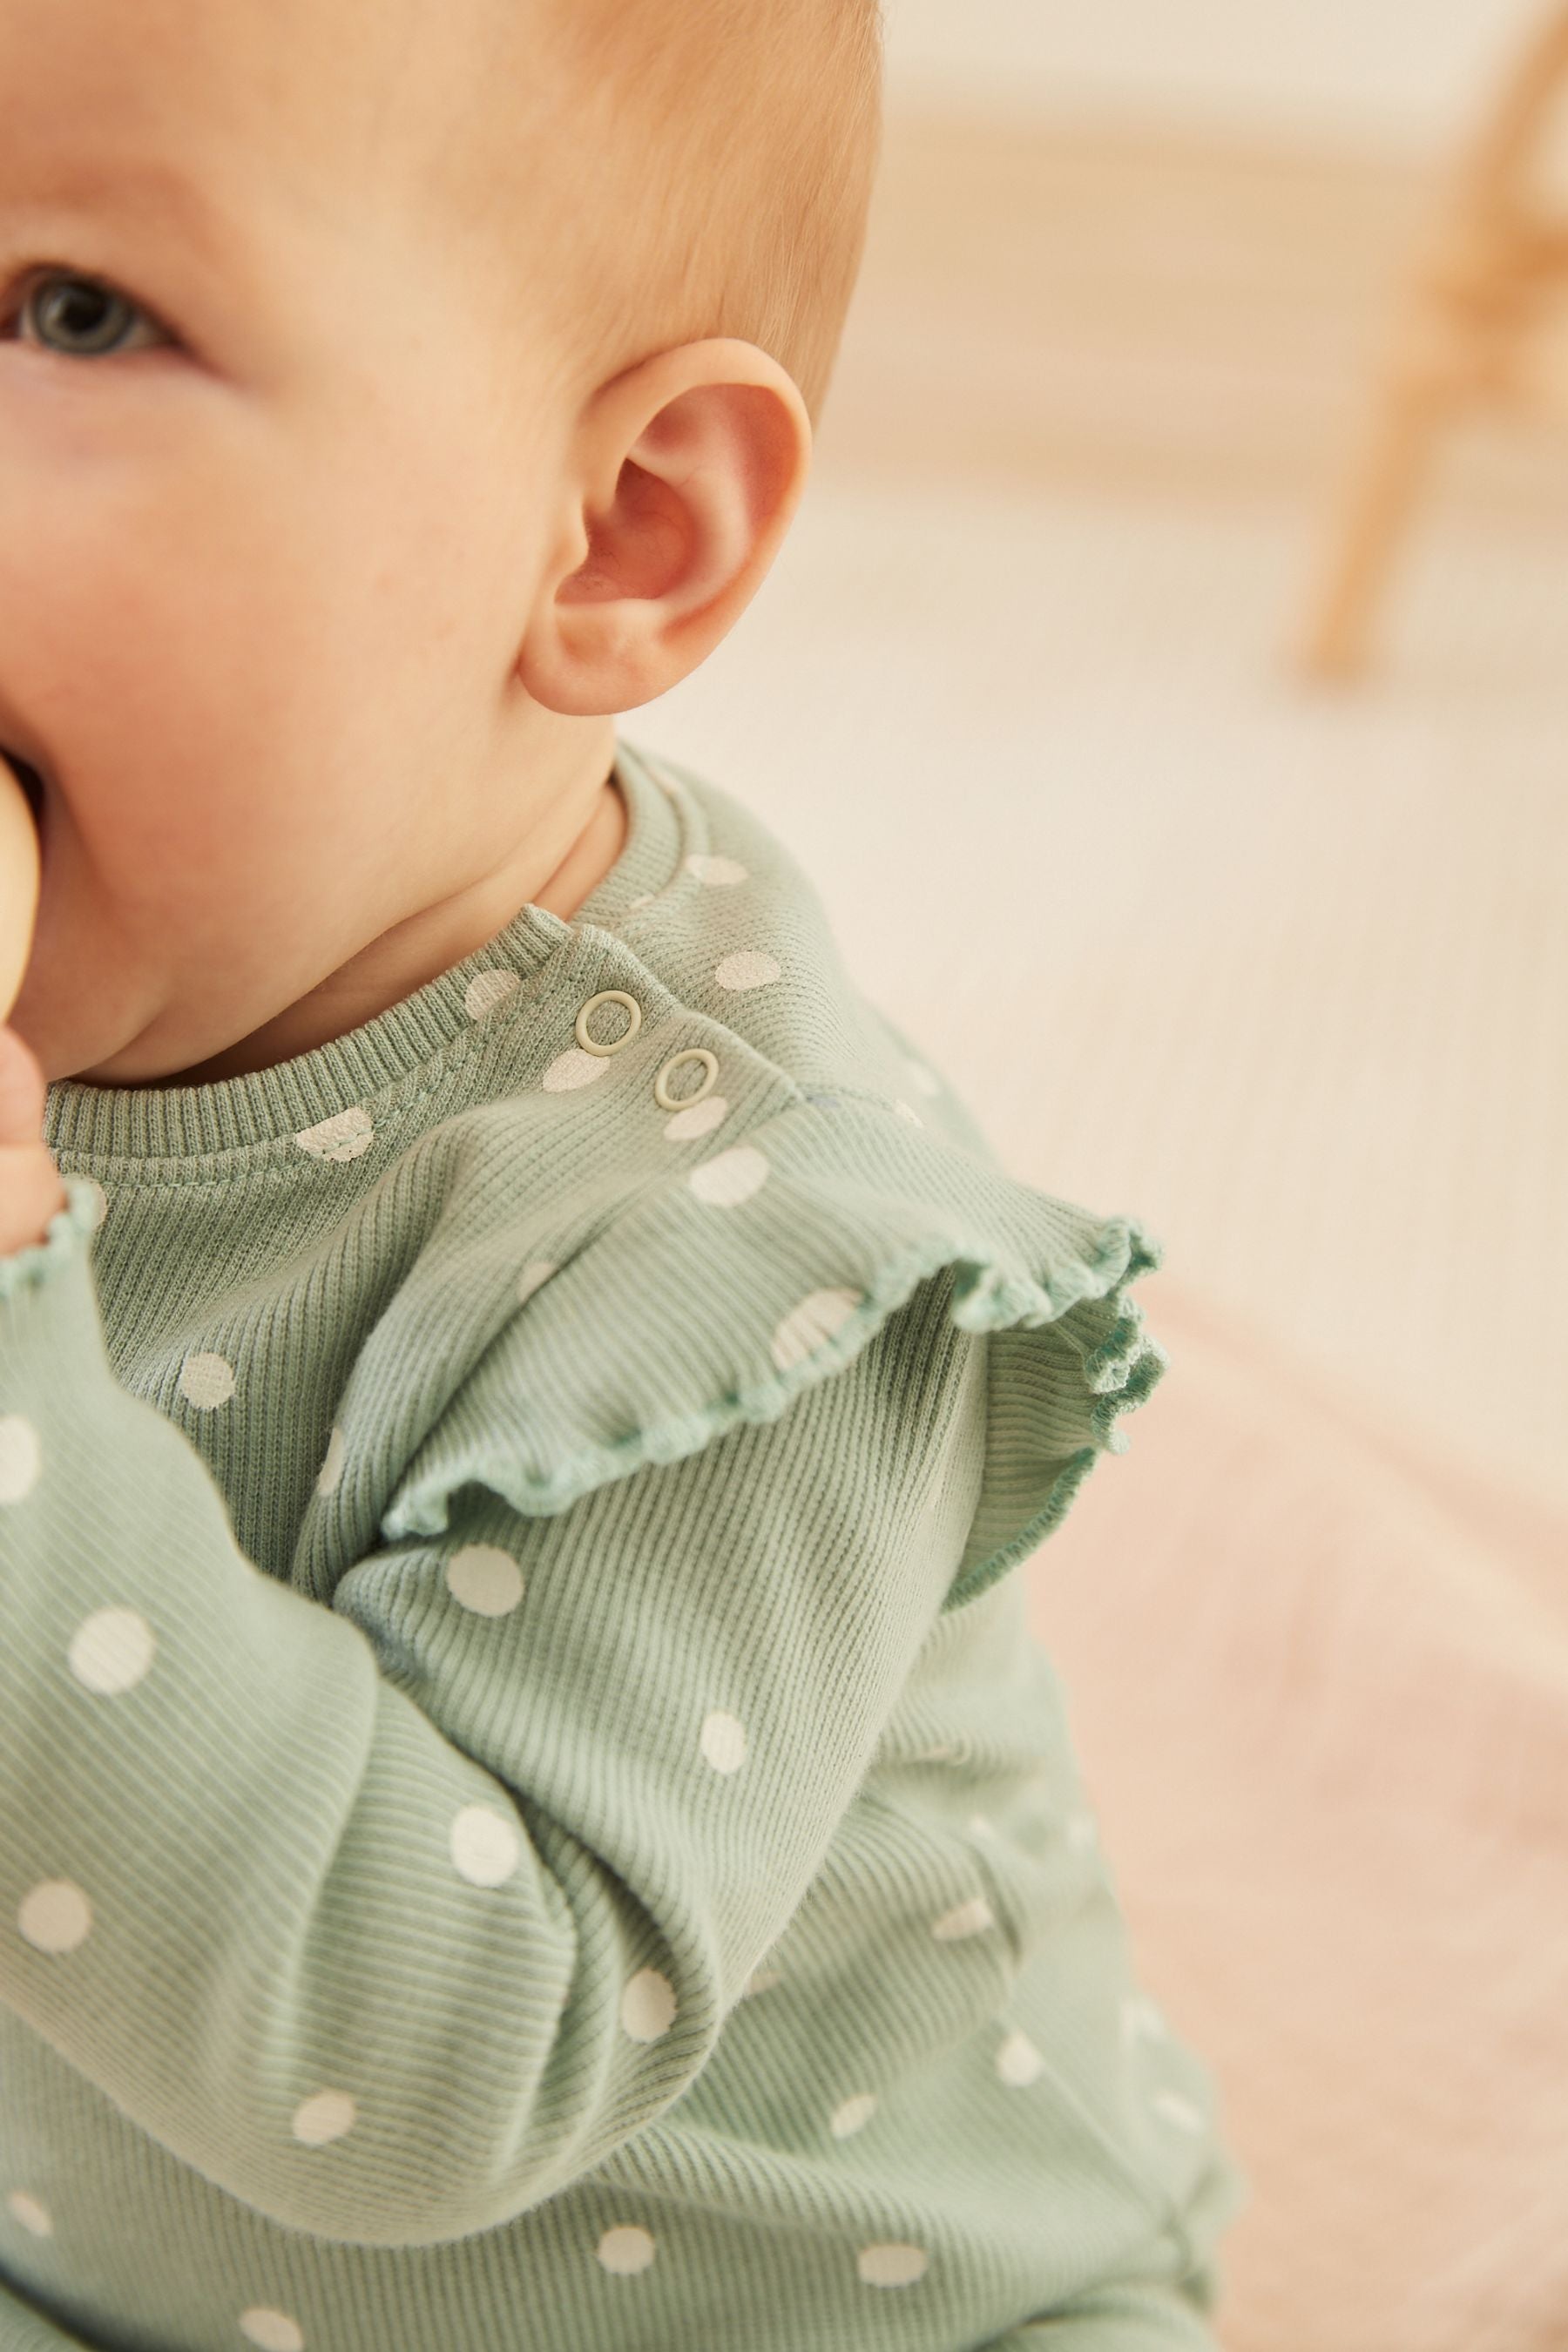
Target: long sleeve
393,1916
1126,2318
24,2329
525,1783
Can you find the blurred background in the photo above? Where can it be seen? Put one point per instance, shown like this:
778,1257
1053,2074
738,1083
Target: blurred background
1282,971
1215,916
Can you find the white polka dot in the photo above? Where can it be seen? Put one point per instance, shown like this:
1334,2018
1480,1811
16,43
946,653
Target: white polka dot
31,2214
346,1136
716,871
111,1650
910,1116
646,900
273,2331
761,1980
485,1845
891,2264
486,990
21,1458
206,1382
1138,2015
648,2006
485,1578
748,969
530,1279
1178,2110
732,1177
688,1126
55,1916
980,1827
853,2116
330,1473
573,1068
810,1325
324,2117
100,1197
1019,2061
969,1920
1081,1830
723,1741
926,1080
627,2251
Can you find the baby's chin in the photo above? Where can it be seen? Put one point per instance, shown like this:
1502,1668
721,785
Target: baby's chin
89,1012
162,1045
85,1035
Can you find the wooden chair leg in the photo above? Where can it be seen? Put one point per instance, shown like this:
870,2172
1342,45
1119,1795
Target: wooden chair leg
1379,501
1470,314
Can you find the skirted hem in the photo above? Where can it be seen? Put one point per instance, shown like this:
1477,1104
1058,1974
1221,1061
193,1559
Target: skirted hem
677,1319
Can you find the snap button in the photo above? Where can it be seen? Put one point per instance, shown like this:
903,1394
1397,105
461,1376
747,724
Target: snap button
661,1094
609,996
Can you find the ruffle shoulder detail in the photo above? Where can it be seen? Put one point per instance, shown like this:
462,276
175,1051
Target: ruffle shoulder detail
716,1294
64,1241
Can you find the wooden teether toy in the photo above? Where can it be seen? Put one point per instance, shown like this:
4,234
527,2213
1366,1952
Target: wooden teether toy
21,878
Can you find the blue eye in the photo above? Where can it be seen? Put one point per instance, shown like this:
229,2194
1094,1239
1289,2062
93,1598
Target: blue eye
88,316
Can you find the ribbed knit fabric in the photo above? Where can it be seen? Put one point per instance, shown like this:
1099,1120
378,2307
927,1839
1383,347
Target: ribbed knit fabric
530,1816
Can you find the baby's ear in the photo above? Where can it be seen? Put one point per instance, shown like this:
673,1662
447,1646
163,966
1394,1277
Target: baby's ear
684,479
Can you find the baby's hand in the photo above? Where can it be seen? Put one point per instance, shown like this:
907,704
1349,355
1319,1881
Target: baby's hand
31,1191
20,875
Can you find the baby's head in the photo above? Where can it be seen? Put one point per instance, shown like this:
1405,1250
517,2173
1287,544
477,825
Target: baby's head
392,393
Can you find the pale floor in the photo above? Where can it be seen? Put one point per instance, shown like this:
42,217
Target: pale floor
1283,973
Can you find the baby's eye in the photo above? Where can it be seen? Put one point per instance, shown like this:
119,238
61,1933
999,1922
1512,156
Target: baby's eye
87,317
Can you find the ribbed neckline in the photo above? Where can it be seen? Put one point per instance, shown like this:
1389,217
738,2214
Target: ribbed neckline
86,1123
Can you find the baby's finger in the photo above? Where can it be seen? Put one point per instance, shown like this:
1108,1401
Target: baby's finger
23,1090
31,1195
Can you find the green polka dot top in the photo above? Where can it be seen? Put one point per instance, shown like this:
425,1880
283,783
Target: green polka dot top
529,1817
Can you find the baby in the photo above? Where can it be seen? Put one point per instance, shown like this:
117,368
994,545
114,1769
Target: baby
531,1820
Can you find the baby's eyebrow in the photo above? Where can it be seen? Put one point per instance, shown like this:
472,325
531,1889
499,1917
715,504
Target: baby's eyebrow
145,185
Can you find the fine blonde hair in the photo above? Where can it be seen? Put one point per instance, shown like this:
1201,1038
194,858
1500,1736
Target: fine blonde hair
680,168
